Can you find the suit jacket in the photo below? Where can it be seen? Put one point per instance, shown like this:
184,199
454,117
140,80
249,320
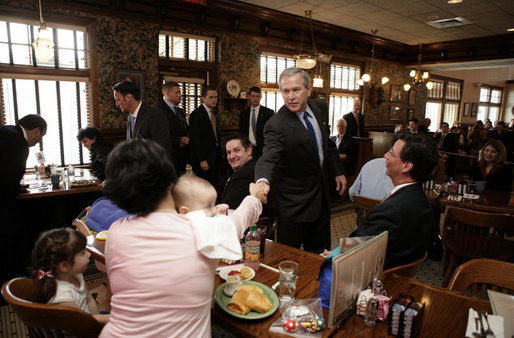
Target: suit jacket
450,142
236,188
177,128
352,127
244,127
300,183
151,124
407,216
203,143
349,148
13,157
99,152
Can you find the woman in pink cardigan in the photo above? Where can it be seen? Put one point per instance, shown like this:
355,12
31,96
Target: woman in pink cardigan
162,282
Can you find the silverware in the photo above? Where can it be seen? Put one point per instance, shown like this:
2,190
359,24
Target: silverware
482,331
475,333
488,331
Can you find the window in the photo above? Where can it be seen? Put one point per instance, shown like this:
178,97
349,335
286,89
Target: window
490,103
174,45
272,65
344,90
443,102
60,97
191,90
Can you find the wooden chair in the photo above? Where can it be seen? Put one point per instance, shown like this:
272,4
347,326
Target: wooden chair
483,274
469,234
47,320
363,205
409,269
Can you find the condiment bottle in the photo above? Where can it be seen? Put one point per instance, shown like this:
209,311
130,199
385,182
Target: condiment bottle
252,248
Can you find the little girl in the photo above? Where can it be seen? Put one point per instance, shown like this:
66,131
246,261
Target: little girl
59,258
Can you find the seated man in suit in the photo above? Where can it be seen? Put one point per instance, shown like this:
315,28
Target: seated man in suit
346,147
406,214
253,119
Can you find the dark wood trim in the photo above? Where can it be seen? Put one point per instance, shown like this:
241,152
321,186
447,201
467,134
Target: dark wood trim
188,64
114,135
43,71
94,80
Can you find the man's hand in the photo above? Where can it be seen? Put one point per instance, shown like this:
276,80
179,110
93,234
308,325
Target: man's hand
204,165
184,140
342,157
341,184
222,208
260,190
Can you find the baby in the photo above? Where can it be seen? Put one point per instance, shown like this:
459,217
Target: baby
192,193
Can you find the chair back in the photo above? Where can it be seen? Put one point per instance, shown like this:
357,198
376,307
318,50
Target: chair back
409,269
47,320
472,234
363,205
481,275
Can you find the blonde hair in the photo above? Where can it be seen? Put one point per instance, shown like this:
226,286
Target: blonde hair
185,190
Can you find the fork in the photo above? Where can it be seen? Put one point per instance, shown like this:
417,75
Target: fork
488,331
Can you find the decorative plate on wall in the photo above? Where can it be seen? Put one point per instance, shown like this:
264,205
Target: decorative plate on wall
233,88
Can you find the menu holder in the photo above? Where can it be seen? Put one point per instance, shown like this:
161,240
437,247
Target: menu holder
352,271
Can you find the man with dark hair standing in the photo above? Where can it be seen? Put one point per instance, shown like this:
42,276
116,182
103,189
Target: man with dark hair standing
355,120
15,141
99,149
300,157
253,119
413,125
205,138
179,131
406,213
143,120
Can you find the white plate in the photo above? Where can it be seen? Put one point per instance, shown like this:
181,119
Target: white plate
224,271
233,88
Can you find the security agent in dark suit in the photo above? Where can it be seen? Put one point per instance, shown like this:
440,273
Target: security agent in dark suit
406,214
298,151
355,120
143,121
346,147
253,119
15,141
178,128
205,138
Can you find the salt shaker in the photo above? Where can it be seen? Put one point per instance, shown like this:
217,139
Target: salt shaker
371,312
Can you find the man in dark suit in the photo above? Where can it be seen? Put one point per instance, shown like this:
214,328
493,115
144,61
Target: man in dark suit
253,119
301,158
179,131
15,141
406,214
447,143
346,147
355,120
143,120
205,138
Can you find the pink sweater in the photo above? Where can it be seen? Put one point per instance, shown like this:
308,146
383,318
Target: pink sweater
162,286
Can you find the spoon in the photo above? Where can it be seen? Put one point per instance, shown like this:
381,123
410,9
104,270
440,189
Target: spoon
488,331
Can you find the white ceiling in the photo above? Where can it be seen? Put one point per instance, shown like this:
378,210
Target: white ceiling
405,20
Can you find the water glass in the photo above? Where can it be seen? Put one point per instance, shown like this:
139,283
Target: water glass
288,274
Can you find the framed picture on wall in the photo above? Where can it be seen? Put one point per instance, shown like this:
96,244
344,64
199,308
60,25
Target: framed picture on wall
136,76
465,111
396,93
410,114
394,114
474,109
412,97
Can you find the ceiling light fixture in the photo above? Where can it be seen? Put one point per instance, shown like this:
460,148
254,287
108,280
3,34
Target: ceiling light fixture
43,46
510,29
368,77
305,60
418,77
453,2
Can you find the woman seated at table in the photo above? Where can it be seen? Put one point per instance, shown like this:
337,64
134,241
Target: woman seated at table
162,285
491,167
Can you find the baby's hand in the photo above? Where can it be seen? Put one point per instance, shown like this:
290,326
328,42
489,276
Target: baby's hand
222,208
260,190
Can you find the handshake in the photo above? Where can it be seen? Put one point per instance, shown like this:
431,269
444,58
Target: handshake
260,190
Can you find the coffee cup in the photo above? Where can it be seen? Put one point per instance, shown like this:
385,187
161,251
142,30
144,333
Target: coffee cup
232,285
55,179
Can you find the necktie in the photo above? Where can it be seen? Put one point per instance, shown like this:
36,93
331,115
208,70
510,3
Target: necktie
310,128
254,122
132,124
213,124
179,116
357,120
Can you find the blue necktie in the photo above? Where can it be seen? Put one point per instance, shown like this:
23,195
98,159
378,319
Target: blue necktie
254,123
310,128
132,124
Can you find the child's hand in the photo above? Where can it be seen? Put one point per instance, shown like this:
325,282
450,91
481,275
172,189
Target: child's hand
222,208
260,190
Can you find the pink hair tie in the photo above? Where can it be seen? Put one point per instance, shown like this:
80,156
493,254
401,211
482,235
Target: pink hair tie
41,274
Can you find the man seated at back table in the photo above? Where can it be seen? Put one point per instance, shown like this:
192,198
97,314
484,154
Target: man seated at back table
406,214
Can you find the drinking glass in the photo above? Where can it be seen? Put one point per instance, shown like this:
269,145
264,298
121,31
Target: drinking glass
288,274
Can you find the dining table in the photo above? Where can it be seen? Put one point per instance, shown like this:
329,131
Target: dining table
40,187
445,314
488,201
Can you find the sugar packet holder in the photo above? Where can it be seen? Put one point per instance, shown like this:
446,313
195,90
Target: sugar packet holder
300,318
405,317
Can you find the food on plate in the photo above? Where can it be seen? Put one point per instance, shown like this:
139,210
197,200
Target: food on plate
83,182
244,273
249,297
102,235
